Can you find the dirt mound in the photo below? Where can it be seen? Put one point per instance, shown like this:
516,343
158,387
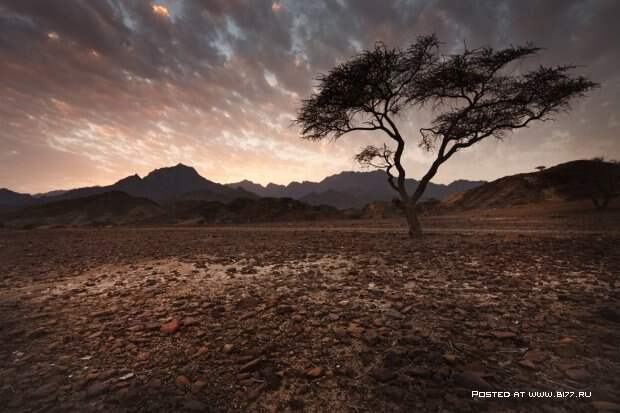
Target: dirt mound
565,182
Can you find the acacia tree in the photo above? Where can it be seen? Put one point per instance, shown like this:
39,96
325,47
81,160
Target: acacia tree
471,95
603,184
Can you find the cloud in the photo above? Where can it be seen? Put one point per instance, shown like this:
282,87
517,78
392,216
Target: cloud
92,91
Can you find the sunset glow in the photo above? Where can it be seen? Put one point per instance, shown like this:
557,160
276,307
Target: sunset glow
160,10
215,84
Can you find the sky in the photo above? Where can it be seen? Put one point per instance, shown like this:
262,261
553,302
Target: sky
93,91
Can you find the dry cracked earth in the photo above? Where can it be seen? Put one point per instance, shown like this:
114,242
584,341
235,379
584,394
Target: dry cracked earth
316,319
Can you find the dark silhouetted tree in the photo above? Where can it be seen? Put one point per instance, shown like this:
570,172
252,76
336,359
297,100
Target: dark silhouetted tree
604,183
472,96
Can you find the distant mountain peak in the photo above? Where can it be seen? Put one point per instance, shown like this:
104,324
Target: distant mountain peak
129,179
178,169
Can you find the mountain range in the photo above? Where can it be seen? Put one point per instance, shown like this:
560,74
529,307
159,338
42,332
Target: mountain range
350,189
183,183
180,196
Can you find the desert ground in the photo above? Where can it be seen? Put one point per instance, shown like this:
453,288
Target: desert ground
346,316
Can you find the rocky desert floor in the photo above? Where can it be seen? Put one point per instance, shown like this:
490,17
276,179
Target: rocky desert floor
324,317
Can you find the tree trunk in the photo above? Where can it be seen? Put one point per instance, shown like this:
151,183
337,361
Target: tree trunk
415,229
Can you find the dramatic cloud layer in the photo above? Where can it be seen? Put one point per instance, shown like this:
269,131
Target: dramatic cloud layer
92,91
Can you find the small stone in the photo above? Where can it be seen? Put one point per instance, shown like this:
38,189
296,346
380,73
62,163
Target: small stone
197,386
577,374
527,363
450,358
503,334
394,314
535,356
610,314
142,356
470,379
355,330
255,392
394,393
315,372
190,321
182,381
45,390
97,388
202,351
382,374
194,405
170,327
126,377
251,365
603,406
228,348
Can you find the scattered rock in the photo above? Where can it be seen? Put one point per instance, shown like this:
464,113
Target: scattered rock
97,388
503,334
202,351
45,390
382,374
256,392
314,372
604,406
142,356
197,386
194,405
577,374
527,363
251,365
394,314
228,348
450,358
190,321
394,393
355,330
182,381
472,380
610,313
170,327
126,376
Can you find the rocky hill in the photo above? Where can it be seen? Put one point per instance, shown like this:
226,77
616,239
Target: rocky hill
116,208
108,208
576,180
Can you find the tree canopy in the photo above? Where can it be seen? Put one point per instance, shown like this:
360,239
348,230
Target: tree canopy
472,95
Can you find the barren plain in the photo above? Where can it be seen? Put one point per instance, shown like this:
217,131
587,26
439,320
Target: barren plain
336,316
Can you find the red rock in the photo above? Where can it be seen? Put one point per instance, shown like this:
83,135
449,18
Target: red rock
355,330
450,358
202,351
182,381
535,356
190,321
228,348
197,386
315,372
527,363
170,327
